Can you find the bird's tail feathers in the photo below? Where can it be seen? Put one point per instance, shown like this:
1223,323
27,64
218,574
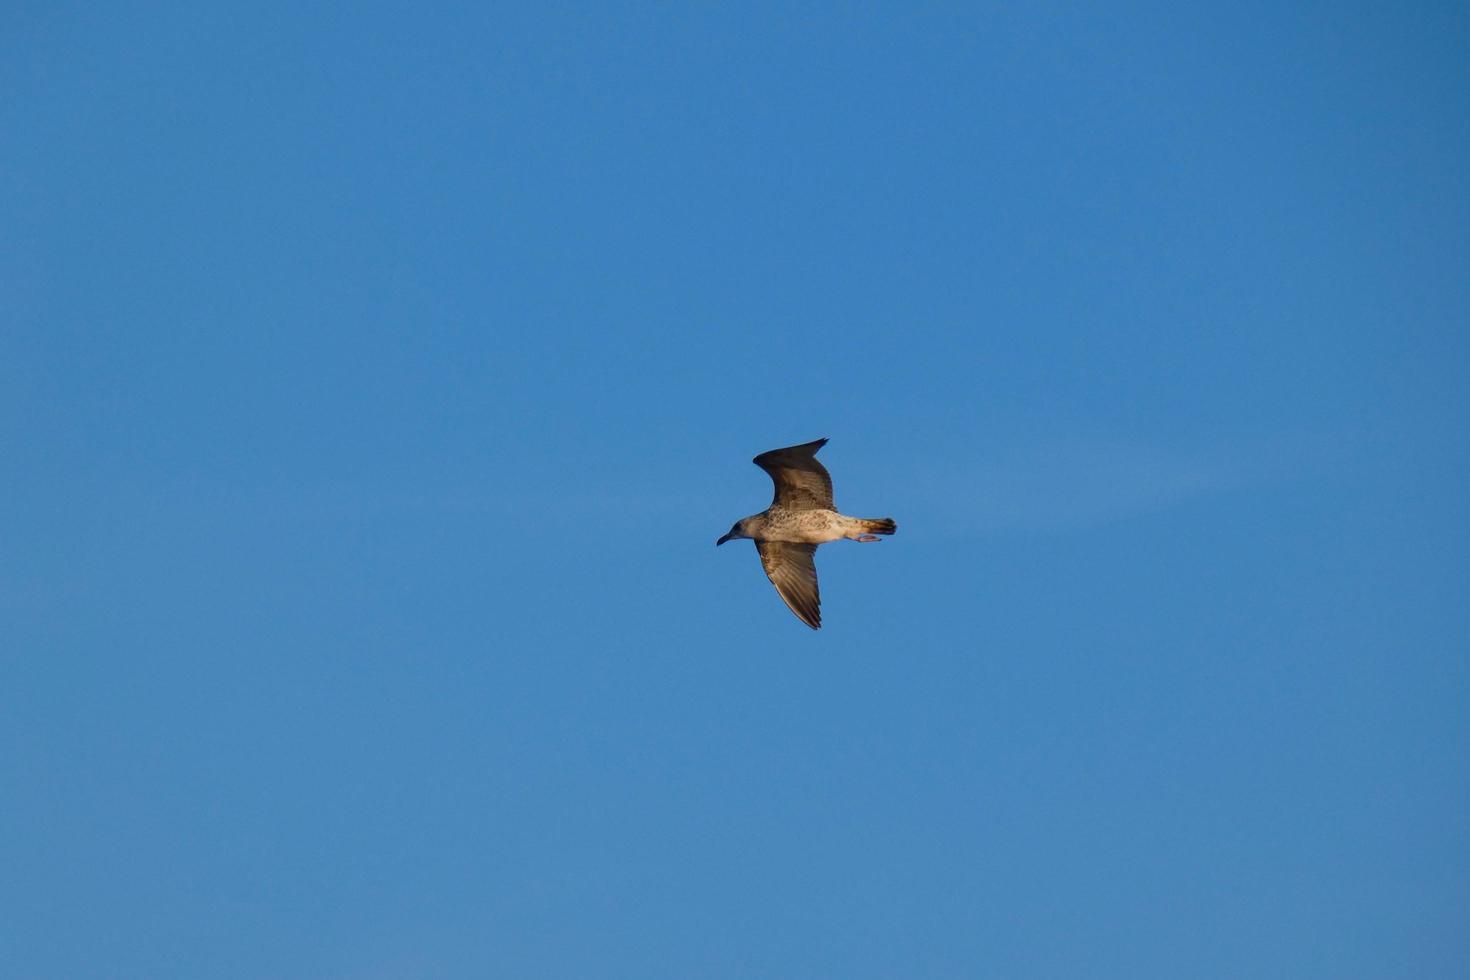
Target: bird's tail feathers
879,525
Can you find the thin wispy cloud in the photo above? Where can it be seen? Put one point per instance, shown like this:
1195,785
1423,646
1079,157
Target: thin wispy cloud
1066,485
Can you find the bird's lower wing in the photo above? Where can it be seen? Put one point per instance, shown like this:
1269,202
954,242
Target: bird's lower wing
792,570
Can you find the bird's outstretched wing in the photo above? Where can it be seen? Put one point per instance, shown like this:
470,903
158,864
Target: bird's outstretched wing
802,483
792,571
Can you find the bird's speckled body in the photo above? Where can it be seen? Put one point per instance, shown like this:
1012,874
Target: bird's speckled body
805,526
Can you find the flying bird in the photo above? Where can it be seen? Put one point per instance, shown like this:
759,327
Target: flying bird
800,517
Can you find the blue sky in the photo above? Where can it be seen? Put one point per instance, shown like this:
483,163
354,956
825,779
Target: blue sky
374,383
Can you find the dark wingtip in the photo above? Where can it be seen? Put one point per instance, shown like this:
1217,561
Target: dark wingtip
812,446
809,447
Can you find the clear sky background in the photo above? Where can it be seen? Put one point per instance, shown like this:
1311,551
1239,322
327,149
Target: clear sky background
375,380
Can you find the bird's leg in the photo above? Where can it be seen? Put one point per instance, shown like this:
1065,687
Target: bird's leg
866,538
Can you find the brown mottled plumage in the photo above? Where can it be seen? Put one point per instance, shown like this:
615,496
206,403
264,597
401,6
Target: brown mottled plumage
801,516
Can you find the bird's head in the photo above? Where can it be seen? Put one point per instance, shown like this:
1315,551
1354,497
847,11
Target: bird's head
737,530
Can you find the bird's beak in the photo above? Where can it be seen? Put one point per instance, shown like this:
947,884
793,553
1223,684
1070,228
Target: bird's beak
723,539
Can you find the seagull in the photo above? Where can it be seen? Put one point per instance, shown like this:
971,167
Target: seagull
800,517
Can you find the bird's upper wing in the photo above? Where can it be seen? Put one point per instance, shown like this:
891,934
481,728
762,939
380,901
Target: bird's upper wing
802,483
791,570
